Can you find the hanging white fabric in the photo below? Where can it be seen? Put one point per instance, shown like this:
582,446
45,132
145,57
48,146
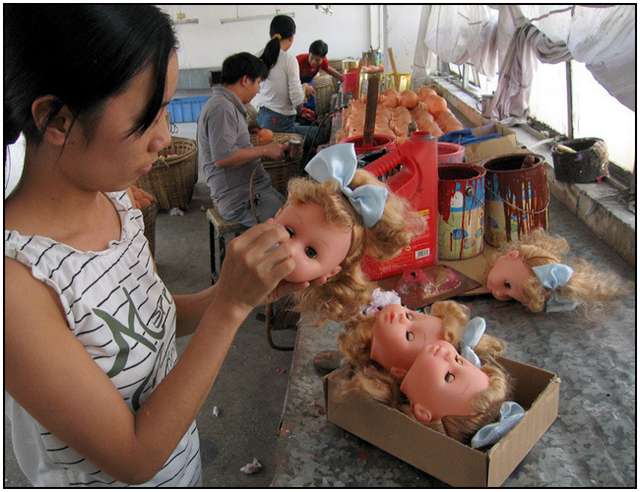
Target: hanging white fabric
456,34
602,37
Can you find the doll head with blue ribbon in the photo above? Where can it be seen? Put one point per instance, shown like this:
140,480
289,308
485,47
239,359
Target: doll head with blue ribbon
457,397
353,214
381,350
534,272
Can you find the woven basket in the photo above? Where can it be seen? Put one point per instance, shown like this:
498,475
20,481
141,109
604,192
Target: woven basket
149,215
173,175
280,171
325,88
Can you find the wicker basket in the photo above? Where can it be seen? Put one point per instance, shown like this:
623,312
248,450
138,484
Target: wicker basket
173,175
149,215
325,88
280,171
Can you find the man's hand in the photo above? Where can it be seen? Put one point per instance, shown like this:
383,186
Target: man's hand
274,151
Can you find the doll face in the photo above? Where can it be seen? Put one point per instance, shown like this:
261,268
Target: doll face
399,335
317,247
508,276
441,382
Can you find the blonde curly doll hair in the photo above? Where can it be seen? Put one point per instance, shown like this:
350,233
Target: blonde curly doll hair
587,286
372,378
345,293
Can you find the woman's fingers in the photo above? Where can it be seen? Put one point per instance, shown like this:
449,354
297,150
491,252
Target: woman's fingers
257,261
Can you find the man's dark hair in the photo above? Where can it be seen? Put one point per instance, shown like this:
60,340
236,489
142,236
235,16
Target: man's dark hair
237,66
319,48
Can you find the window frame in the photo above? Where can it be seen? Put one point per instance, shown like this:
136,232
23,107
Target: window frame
619,177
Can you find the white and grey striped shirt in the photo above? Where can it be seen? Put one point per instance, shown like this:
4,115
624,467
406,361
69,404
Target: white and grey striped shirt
121,312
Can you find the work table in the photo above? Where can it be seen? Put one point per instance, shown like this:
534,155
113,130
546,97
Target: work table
592,442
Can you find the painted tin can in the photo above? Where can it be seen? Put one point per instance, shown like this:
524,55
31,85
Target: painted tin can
461,189
517,197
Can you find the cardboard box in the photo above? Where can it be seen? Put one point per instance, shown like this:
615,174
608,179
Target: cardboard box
448,460
487,149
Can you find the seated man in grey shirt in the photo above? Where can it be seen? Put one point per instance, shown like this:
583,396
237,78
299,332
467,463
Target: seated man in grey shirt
224,151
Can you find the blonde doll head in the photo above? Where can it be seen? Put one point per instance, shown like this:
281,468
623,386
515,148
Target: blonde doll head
347,289
451,395
510,275
392,345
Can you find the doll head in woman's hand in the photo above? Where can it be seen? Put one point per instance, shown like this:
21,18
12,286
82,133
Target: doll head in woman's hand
342,202
533,272
452,394
318,246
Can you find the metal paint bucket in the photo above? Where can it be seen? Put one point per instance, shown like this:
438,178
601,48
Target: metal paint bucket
461,189
517,197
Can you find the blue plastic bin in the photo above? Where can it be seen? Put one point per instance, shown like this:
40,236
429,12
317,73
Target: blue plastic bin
186,109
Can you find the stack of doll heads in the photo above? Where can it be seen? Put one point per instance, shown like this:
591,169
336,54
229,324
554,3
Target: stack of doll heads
399,355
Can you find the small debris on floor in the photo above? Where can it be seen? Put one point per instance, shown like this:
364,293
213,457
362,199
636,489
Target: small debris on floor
250,468
216,411
280,370
176,212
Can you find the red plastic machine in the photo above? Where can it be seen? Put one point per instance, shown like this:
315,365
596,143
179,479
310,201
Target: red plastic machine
410,171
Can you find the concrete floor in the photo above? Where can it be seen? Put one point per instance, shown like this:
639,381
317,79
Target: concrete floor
251,386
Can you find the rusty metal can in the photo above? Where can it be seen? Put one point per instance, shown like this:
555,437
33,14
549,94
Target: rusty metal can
295,148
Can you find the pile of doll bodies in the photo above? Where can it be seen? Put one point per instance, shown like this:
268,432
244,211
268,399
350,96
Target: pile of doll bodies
440,368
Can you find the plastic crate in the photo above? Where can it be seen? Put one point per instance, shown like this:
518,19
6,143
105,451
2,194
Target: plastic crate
186,109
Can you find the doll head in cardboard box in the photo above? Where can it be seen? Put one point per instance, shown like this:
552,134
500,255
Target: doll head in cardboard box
532,271
334,219
453,395
380,361
392,335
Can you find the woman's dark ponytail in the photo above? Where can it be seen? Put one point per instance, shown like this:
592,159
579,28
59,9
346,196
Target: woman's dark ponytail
282,27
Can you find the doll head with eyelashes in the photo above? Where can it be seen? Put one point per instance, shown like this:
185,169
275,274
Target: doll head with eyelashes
395,335
346,240
449,393
510,274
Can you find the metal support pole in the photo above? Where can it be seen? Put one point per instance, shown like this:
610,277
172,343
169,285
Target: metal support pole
567,65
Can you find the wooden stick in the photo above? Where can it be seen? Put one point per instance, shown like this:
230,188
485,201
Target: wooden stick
396,75
371,107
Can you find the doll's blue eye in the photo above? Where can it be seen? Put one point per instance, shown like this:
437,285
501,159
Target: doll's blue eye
310,252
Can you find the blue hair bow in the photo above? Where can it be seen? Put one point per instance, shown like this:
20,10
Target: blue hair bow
473,332
553,276
339,162
510,414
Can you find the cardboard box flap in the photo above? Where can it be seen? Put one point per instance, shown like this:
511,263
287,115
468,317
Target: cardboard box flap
529,381
506,454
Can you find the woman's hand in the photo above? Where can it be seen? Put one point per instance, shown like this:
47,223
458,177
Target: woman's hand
255,264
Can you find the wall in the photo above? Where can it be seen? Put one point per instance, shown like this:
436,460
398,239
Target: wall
402,22
208,43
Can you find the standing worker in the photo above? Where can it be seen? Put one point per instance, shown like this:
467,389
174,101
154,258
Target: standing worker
228,159
311,63
94,389
281,95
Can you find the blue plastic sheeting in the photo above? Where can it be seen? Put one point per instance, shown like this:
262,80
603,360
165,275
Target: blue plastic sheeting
186,109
